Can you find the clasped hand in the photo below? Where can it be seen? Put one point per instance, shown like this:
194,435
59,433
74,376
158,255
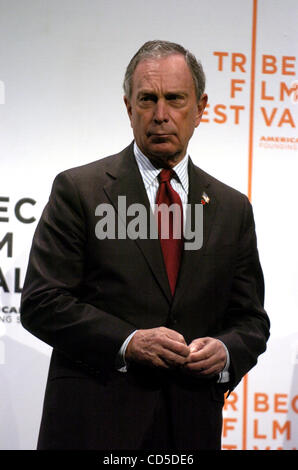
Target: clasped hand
166,348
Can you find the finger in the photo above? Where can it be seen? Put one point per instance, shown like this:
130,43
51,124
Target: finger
172,359
202,354
172,340
174,335
200,366
199,369
176,347
212,365
196,345
159,362
211,348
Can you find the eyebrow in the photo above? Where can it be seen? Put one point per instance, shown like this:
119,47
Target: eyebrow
153,93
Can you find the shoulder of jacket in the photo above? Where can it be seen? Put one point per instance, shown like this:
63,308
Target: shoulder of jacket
221,189
93,170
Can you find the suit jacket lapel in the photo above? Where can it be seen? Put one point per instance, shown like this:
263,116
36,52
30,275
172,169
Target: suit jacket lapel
198,184
126,180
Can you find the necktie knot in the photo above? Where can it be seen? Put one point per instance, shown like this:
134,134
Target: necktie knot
165,175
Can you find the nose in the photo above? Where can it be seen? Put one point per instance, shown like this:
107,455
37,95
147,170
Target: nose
161,112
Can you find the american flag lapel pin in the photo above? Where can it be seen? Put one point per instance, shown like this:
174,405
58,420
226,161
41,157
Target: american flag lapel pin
205,199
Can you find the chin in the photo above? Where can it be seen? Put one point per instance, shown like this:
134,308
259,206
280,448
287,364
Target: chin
163,157
164,150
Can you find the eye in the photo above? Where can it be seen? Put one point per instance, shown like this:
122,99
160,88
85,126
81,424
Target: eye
172,97
175,98
148,98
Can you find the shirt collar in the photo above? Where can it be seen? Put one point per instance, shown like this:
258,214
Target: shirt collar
149,172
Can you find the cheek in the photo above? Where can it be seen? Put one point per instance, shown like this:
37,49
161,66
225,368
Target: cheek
187,123
140,122
193,120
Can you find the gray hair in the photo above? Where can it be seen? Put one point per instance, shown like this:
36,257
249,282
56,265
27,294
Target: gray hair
156,49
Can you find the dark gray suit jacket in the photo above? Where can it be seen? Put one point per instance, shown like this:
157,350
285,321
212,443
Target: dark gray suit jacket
84,296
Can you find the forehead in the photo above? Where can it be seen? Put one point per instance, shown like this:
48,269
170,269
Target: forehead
164,73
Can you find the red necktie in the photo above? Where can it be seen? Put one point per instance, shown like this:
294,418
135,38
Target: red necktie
170,225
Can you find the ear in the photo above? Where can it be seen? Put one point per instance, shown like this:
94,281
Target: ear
128,107
202,103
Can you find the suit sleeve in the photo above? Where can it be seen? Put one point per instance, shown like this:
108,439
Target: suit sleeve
51,306
246,325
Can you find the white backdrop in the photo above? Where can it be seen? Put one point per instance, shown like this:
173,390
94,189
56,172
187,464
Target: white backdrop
61,105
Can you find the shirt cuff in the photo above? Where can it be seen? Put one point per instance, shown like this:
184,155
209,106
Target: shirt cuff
121,365
224,375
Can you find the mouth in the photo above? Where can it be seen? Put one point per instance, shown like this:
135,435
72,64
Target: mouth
159,135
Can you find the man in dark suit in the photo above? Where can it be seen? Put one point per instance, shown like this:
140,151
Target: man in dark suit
147,336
